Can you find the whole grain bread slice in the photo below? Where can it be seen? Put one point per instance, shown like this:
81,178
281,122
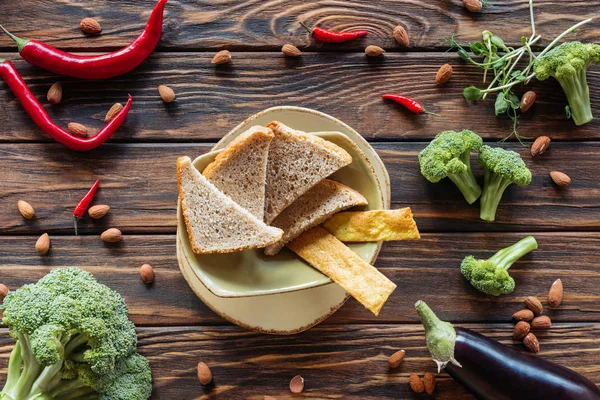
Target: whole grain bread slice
297,162
312,208
240,170
214,222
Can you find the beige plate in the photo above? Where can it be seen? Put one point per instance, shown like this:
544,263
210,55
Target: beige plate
234,285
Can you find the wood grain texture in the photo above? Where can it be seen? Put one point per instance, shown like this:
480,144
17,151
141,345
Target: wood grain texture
426,269
211,101
346,361
267,25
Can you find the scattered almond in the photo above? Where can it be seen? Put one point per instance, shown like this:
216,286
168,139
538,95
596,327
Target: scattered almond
556,294
25,209
114,110
90,26
111,235
166,93
290,50
204,373
523,315
222,57
473,5
527,100
534,305
540,145
77,129
560,178
3,292
396,359
147,273
541,322
43,244
521,330
443,74
416,383
531,342
297,384
54,95
374,51
98,211
401,36
429,382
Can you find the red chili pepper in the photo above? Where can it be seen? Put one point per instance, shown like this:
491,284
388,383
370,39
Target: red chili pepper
84,204
41,118
95,67
327,36
408,103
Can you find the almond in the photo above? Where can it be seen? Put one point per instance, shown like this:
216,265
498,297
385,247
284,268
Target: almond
541,322
443,74
527,100
416,383
112,235
77,129
297,384
98,211
473,5
166,93
204,374
290,50
429,382
534,305
222,57
523,315
396,359
147,273
25,209
531,342
90,26
3,292
43,244
54,95
374,51
401,36
540,145
114,110
556,294
560,178
522,328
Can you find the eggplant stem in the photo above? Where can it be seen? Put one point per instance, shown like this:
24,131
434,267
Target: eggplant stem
440,336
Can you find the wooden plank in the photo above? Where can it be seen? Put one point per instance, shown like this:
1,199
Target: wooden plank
138,182
346,361
211,101
427,269
260,25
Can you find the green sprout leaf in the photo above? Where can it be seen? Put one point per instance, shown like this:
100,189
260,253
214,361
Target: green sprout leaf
499,43
478,48
501,105
472,93
513,100
463,54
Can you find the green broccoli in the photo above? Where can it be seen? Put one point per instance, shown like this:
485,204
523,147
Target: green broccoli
449,155
74,342
568,63
501,168
491,276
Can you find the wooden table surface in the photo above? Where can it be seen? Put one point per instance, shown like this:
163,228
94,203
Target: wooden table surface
346,356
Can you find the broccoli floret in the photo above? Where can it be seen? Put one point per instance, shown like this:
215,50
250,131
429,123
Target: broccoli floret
66,323
448,155
568,63
491,276
501,168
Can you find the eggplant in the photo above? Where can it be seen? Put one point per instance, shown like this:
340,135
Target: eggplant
493,371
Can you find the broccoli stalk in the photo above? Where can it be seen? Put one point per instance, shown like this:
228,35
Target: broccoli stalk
491,276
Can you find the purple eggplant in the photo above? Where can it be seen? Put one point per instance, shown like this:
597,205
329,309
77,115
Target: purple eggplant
493,371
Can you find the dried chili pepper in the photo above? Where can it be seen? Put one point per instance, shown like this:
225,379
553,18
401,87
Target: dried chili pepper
408,103
327,36
41,118
95,67
84,204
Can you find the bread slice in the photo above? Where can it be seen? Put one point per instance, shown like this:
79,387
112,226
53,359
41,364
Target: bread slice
240,170
297,162
312,208
214,222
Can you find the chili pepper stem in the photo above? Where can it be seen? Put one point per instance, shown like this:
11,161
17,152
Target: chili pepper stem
430,113
75,220
20,42
306,27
